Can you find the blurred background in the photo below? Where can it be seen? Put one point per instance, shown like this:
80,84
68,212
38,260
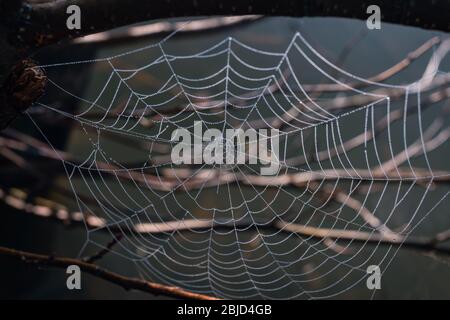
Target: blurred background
410,275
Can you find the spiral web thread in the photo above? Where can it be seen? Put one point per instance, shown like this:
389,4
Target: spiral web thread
223,230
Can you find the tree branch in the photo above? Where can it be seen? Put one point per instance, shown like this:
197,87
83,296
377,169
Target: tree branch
160,29
127,283
27,25
430,244
49,19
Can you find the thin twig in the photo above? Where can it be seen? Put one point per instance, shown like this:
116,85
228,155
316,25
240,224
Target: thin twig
92,222
99,255
418,243
128,283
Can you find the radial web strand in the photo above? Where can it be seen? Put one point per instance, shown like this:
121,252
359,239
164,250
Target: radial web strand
354,161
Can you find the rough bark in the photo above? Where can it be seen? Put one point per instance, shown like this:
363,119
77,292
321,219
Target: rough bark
24,85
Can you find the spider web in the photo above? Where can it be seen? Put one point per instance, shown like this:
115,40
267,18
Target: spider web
354,158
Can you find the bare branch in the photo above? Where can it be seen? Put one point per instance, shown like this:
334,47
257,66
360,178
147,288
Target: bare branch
427,244
48,18
164,28
127,283
356,237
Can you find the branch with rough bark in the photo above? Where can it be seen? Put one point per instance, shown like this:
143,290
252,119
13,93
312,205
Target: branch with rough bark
128,283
